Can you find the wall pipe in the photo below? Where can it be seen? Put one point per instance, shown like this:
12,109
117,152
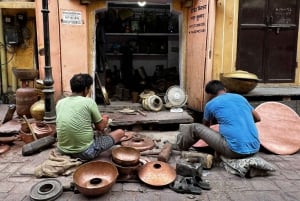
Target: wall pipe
48,90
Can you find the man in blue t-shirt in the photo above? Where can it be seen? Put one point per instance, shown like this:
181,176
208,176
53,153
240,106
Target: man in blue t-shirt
237,136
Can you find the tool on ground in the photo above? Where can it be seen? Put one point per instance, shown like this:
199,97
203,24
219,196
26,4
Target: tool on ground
205,159
150,152
10,113
37,145
165,152
142,113
30,128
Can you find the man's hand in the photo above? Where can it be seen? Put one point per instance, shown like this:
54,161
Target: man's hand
103,123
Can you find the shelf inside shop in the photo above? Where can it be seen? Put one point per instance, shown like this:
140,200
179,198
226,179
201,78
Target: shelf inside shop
135,54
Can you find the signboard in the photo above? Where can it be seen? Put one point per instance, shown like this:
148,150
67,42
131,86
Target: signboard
71,18
196,53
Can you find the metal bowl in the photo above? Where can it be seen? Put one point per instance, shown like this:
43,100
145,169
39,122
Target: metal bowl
24,73
128,170
240,74
95,178
240,82
125,156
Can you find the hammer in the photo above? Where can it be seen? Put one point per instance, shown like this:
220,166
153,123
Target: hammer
165,152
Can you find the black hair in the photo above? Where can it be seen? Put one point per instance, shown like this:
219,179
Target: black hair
80,82
214,86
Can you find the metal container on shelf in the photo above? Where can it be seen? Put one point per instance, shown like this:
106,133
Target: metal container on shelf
25,98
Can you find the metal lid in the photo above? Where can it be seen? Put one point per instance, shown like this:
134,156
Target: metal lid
240,74
175,96
157,173
139,142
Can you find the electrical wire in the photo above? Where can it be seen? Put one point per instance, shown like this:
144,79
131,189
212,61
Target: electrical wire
7,47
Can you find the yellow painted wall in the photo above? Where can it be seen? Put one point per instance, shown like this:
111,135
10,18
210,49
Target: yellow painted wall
225,41
22,55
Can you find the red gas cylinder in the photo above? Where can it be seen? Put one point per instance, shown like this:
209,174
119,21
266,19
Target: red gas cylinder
25,98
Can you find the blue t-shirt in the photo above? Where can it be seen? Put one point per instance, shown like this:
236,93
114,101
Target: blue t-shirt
236,123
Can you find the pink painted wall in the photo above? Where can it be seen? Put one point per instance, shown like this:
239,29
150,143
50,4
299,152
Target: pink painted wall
68,43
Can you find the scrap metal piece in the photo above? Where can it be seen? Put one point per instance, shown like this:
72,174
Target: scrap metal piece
46,190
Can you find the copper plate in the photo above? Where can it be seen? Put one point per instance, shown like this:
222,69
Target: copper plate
139,142
279,128
157,173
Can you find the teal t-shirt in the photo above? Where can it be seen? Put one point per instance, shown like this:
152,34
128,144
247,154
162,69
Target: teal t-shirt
74,118
236,124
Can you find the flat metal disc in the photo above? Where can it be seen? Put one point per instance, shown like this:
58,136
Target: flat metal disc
46,190
279,128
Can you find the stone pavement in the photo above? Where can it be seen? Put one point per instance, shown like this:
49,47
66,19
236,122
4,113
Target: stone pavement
16,180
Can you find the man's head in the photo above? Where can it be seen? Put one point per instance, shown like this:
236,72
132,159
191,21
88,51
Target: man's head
81,82
214,87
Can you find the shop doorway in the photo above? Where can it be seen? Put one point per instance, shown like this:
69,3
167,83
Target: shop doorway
267,39
137,49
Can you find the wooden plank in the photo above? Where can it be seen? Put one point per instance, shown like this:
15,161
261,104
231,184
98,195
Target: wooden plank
162,117
18,5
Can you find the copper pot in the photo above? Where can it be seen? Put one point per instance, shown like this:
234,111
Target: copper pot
39,128
125,156
95,178
127,170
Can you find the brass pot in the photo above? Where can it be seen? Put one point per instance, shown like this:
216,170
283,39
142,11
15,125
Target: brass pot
37,110
239,81
125,156
95,178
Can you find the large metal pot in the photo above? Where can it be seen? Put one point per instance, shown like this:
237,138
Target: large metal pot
241,82
95,178
125,156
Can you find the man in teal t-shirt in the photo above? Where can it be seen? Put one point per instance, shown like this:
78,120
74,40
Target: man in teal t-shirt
237,136
77,116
